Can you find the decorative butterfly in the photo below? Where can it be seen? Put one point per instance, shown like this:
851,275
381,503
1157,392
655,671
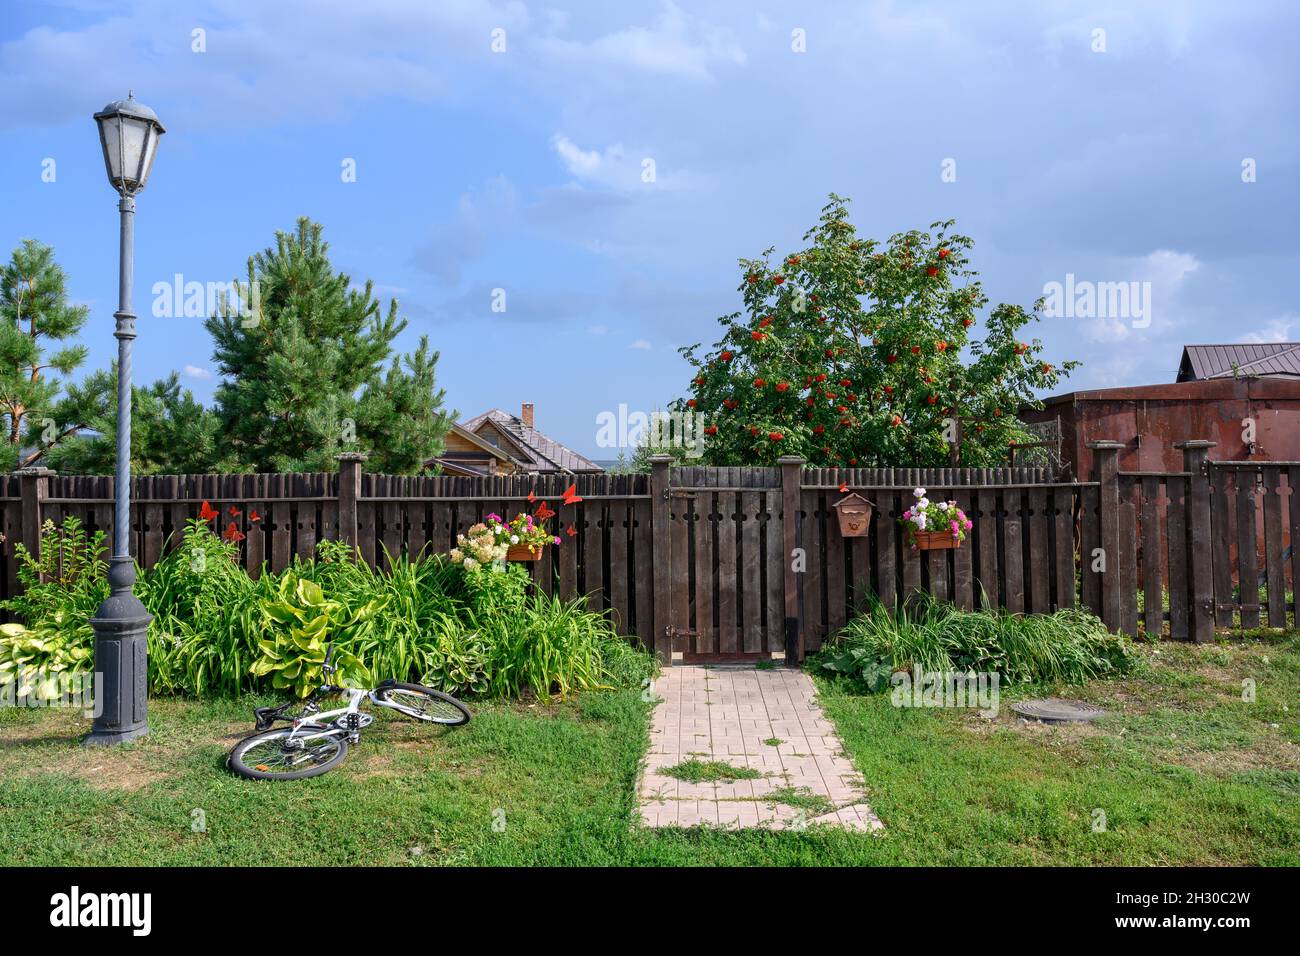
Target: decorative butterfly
571,531
543,512
571,495
207,513
844,487
232,533
531,497
254,516
235,512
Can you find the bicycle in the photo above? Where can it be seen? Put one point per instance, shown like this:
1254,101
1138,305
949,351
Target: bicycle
317,741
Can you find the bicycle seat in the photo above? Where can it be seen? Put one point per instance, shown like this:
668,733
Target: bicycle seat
265,716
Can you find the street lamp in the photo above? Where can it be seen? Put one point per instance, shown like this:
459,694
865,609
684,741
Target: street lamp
128,133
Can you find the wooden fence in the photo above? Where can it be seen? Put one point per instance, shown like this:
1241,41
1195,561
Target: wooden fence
704,561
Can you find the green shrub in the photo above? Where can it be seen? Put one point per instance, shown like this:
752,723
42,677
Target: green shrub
218,631
1070,645
62,591
207,617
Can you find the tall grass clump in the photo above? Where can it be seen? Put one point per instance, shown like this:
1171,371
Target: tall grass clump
207,617
1070,645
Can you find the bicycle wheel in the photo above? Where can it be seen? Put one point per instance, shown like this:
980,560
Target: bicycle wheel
266,756
424,703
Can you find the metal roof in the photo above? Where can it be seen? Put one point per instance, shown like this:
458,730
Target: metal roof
547,454
1230,361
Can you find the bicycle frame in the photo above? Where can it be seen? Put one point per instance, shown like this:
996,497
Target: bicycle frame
326,723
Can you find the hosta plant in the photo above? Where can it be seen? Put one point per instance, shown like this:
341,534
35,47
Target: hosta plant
35,660
302,622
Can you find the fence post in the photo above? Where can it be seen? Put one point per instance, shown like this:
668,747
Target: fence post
794,639
1105,471
34,488
349,492
1199,552
661,538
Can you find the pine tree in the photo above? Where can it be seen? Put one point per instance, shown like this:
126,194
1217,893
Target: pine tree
401,419
171,432
302,378
34,314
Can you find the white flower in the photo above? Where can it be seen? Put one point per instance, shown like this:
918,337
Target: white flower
923,503
918,492
943,506
514,539
471,563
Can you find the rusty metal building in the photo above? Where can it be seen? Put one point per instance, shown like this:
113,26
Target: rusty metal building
1227,394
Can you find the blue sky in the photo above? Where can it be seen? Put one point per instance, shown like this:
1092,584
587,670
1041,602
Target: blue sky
1114,156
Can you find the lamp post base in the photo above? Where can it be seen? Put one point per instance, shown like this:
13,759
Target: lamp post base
121,669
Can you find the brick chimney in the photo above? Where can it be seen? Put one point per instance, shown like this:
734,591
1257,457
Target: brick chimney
526,413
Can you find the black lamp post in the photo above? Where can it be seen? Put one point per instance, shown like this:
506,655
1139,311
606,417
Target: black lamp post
128,132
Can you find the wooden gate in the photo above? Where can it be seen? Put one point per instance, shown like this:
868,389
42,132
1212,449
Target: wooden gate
726,579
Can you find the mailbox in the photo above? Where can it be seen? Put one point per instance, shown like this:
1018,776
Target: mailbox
854,513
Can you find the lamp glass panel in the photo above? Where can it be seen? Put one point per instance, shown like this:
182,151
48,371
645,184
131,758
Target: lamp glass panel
134,134
112,147
150,148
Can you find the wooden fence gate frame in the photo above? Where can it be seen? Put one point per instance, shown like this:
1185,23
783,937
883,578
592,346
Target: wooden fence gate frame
702,561
726,538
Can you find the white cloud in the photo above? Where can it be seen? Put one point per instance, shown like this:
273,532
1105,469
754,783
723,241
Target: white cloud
678,44
1278,330
641,345
580,162
194,371
597,329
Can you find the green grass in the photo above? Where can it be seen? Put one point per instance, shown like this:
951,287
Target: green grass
801,798
708,771
1185,771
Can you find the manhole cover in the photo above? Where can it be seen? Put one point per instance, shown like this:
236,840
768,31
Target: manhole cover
1056,711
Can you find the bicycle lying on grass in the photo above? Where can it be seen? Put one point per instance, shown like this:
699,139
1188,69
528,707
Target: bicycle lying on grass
317,741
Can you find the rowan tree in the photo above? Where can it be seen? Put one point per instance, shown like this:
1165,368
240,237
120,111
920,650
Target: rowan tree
854,352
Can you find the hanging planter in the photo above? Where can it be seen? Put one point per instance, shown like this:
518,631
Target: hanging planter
854,514
524,552
934,525
934,540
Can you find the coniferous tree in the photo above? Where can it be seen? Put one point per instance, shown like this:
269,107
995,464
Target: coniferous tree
171,432
35,314
302,377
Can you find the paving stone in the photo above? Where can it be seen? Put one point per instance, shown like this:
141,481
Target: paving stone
727,714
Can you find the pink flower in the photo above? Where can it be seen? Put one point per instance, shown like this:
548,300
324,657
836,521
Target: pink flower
968,524
557,539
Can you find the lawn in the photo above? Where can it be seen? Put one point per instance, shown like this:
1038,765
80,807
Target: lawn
1184,771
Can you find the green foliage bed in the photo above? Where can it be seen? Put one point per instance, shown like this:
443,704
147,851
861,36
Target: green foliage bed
218,631
1070,645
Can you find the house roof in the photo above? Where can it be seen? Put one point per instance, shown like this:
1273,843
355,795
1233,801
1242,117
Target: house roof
1230,361
542,453
463,462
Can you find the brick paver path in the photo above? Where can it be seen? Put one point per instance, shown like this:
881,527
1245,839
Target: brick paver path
765,720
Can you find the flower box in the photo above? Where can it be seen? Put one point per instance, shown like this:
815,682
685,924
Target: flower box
524,552
934,525
934,540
